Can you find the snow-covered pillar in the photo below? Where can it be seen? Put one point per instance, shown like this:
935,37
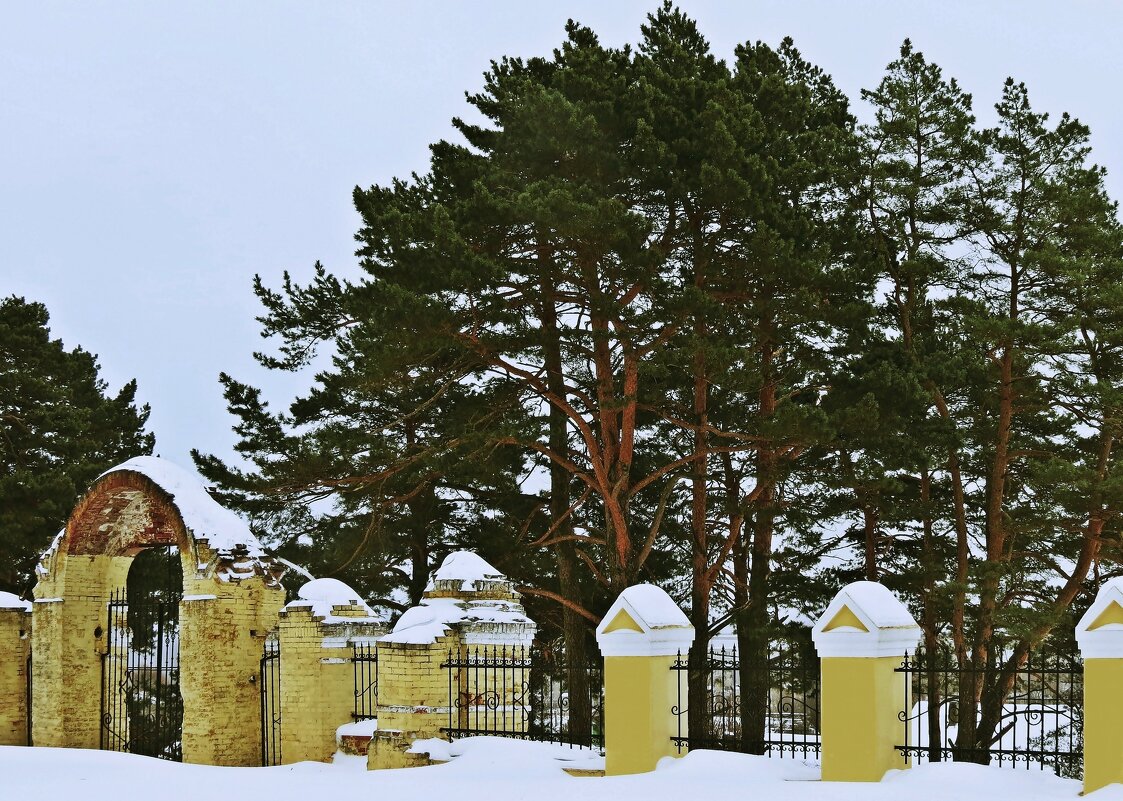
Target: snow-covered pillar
15,647
1100,637
640,637
318,688
861,639
469,609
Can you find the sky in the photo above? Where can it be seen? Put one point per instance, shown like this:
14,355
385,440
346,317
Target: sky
154,157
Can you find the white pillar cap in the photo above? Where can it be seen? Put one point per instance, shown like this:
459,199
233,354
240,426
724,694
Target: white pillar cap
1100,631
644,621
865,620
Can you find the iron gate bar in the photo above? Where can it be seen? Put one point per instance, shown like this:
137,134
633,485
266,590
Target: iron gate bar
791,704
519,692
270,692
1020,733
364,660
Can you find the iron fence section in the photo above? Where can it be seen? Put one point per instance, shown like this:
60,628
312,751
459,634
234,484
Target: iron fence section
790,704
270,689
525,693
364,662
141,706
1039,723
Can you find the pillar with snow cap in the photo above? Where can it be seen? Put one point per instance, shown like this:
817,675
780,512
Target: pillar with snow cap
861,639
317,633
640,637
469,610
1100,637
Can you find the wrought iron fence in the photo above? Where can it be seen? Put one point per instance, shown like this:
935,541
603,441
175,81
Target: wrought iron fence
777,715
141,706
1038,723
364,661
526,693
30,694
270,688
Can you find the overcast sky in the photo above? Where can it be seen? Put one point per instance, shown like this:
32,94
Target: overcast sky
154,158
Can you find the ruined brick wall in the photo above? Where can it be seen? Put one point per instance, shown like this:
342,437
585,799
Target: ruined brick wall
317,677
15,645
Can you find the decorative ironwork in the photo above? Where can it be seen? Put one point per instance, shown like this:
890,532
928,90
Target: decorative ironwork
787,710
1039,723
270,688
525,693
364,661
141,706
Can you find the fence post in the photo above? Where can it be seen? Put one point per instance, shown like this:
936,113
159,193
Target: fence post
861,639
1100,637
639,638
316,678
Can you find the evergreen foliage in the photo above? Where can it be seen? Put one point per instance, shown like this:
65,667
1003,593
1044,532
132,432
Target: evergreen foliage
60,429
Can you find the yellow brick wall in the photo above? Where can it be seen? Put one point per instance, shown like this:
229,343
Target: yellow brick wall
15,645
221,642
317,680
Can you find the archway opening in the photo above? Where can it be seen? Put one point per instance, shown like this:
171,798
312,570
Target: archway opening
142,707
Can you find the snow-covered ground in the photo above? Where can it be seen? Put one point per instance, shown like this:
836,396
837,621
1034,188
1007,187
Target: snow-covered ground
486,769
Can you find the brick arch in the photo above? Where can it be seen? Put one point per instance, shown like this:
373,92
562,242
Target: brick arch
122,513
232,599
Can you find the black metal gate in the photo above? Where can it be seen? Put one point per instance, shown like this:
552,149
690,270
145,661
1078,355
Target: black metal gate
271,702
141,706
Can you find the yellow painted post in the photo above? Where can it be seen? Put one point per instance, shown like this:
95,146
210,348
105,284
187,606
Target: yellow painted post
861,639
639,638
1100,637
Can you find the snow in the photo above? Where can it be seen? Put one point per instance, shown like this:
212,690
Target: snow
435,616
240,553
10,601
467,567
485,768
207,519
656,609
322,595
360,728
879,604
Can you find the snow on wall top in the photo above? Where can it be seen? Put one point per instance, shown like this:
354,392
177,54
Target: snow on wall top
10,601
658,610
435,616
467,567
880,605
322,595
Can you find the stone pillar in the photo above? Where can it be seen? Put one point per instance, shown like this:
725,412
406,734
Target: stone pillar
640,637
223,626
1100,637
317,674
862,639
468,605
15,648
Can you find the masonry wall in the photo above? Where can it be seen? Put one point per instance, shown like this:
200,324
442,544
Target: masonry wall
15,646
317,678
413,699
222,636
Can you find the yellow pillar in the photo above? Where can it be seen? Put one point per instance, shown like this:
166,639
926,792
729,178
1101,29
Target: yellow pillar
639,638
861,639
1100,636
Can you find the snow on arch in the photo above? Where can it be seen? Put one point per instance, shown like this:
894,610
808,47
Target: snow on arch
204,517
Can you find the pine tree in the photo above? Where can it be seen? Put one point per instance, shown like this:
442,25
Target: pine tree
60,430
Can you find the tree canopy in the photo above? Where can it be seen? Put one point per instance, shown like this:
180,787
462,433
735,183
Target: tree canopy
61,428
